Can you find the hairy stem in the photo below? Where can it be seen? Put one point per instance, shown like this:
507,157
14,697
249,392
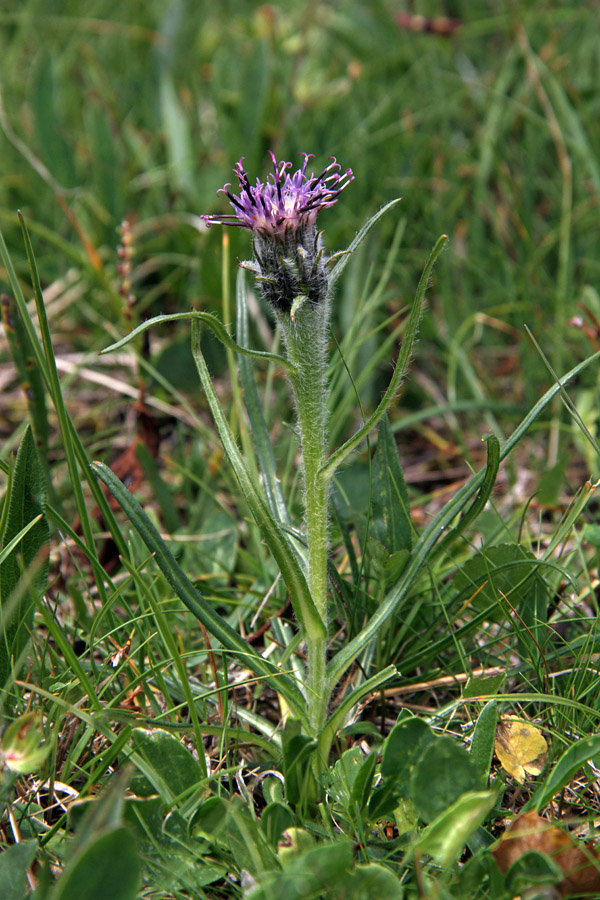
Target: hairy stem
305,338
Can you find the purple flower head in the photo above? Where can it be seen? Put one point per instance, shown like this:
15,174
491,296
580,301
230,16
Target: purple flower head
283,202
290,266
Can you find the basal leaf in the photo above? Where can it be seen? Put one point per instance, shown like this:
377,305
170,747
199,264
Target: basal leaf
443,773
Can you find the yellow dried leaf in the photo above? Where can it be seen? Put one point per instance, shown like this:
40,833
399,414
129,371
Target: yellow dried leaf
520,747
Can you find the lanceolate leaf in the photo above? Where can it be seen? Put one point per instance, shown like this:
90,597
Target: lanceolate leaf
484,736
355,696
446,837
213,323
191,596
29,372
260,433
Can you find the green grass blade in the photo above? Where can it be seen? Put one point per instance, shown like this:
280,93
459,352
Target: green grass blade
8,549
171,646
55,389
26,520
576,756
29,373
22,309
74,449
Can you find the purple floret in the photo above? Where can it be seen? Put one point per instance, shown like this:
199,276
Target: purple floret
283,202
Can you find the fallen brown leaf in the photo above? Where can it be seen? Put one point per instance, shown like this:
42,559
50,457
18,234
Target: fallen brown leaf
580,863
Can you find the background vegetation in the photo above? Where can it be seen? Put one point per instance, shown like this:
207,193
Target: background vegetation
487,124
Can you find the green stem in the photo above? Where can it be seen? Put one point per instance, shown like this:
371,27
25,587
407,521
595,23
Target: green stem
306,341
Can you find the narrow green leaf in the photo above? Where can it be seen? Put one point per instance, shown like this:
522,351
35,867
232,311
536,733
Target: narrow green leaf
25,363
361,789
178,138
425,545
44,356
54,149
343,776
260,432
191,597
483,495
106,145
247,842
170,641
503,571
25,504
275,537
14,543
160,491
338,718
214,324
296,766
391,507
572,122
572,759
